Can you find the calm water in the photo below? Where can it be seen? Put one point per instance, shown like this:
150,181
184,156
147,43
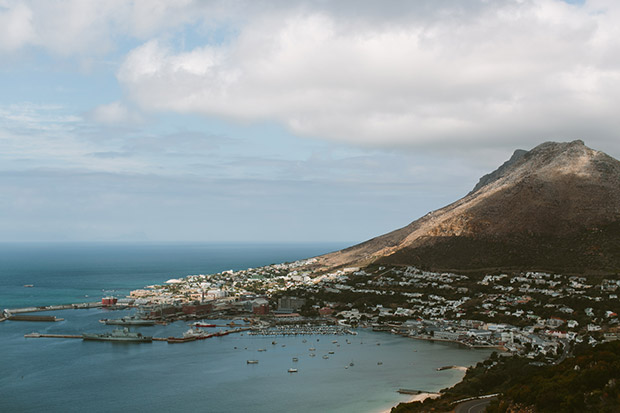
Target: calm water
210,375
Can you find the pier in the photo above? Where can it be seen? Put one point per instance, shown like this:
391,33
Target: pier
10,311
218,334
39,335
34,318
412,392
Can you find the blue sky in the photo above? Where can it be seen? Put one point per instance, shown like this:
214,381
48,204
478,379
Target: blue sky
271,121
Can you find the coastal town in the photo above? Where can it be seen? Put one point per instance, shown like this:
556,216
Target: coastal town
533,314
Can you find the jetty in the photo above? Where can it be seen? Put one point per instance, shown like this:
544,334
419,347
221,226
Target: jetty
21,317
40,335
11,311
412,392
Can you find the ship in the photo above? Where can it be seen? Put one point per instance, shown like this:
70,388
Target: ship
189,335
203,325
120,335
128,321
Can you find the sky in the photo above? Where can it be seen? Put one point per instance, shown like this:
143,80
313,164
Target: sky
283,121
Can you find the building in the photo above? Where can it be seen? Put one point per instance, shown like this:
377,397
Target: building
290,304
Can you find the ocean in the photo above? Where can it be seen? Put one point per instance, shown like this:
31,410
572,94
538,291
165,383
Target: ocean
209,376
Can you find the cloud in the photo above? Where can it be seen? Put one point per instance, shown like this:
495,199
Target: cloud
515,71
115,114
15,25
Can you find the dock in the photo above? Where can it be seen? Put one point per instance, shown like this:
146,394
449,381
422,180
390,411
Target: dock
11,311
22,317
40,335
411,392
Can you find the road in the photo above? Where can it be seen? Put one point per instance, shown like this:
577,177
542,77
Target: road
473,406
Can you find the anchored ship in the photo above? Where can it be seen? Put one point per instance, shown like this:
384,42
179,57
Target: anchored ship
128,321
119,334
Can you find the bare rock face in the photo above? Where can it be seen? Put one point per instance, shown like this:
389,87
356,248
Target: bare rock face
555,207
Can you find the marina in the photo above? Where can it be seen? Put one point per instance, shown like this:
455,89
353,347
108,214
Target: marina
195,376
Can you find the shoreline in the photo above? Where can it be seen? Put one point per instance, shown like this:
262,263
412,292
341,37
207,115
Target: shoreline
469,346
421,397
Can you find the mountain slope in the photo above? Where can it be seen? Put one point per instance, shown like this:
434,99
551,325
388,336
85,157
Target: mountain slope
556,207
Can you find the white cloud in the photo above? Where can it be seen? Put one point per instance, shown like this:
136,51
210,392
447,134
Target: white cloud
15,25
538,69
115,114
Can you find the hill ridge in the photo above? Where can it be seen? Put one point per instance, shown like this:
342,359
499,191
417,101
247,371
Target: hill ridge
534,209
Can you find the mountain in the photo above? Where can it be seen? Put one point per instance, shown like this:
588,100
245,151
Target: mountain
555,207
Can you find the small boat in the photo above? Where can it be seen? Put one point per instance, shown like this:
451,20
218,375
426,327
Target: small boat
351,364
312,349
189,335
274,342
312,355
295,359
325,357
304,341
252,361
180,339
262,349
203,325
292,370
335,342
380,363
28,285
330,352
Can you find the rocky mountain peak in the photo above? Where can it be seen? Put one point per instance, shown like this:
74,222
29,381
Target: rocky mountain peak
534,210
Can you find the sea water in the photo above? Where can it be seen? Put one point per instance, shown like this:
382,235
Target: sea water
210,375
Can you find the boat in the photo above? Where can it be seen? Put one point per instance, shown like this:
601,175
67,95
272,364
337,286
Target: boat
180,339
379,363
295,359
312,349
274,342
203,325
252,361
326,357
312,355
262,349
292,370
189,335
28,285
128,321
330,352
198,333
120,335
351,364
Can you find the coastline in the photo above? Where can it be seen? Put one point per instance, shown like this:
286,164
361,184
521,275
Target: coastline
421,397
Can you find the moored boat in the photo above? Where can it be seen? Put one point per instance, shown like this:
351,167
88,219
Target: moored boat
120,335
128,321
